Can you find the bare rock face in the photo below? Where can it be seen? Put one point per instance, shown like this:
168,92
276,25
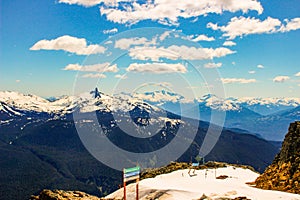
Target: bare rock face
64,195
284,173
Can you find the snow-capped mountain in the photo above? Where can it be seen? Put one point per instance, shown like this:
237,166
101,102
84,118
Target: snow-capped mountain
268,117
266,106
18,104
159,96
263,106
241,113
217,103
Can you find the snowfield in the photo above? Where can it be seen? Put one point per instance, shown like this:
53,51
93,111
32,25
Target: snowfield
179,185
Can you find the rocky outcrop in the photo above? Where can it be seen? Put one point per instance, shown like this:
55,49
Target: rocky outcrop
284,173
64,195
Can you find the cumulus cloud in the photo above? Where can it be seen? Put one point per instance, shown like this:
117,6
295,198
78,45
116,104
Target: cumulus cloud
18,81
175,52
164,35
240,26
152,53
281,79
110,31
203,38
252,72
93,76
157,68
212,65
290,25
102,67
229,43
126,43
121,76
89,3
260,66
70,44
237,80
168,12
297,74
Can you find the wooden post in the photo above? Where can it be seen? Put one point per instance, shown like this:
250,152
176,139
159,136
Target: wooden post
137,189
124,186
124,190
215,172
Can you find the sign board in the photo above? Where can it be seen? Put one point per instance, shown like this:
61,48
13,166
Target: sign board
131,174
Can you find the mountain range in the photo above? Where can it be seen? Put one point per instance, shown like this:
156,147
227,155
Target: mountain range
267,117
40,146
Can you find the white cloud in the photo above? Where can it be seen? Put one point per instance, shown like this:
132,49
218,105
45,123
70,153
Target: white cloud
121,76
252,72
175,52
157,68
110,31
297,74
86,3
260,66
126,43
70,44
203,38
212,65
233,63
18,81
108,42
229,43
89,3
102,67
291,25
152,53
240,26
93,76
168,12
164,35
237,80
280,79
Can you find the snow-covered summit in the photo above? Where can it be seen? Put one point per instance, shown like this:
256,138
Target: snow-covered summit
159,96
29,102
180,185
85,102
270,101
262,106
218,103
17,103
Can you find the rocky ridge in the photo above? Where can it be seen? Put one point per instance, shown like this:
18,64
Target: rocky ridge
64,195
284,173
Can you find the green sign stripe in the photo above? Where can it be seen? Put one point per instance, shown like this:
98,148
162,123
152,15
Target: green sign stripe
133,169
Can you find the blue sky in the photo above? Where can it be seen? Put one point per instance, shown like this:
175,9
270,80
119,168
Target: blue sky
53,47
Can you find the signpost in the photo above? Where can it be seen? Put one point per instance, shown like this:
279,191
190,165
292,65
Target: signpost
131,174
194,166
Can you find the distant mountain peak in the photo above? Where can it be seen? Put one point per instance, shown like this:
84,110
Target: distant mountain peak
159,96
